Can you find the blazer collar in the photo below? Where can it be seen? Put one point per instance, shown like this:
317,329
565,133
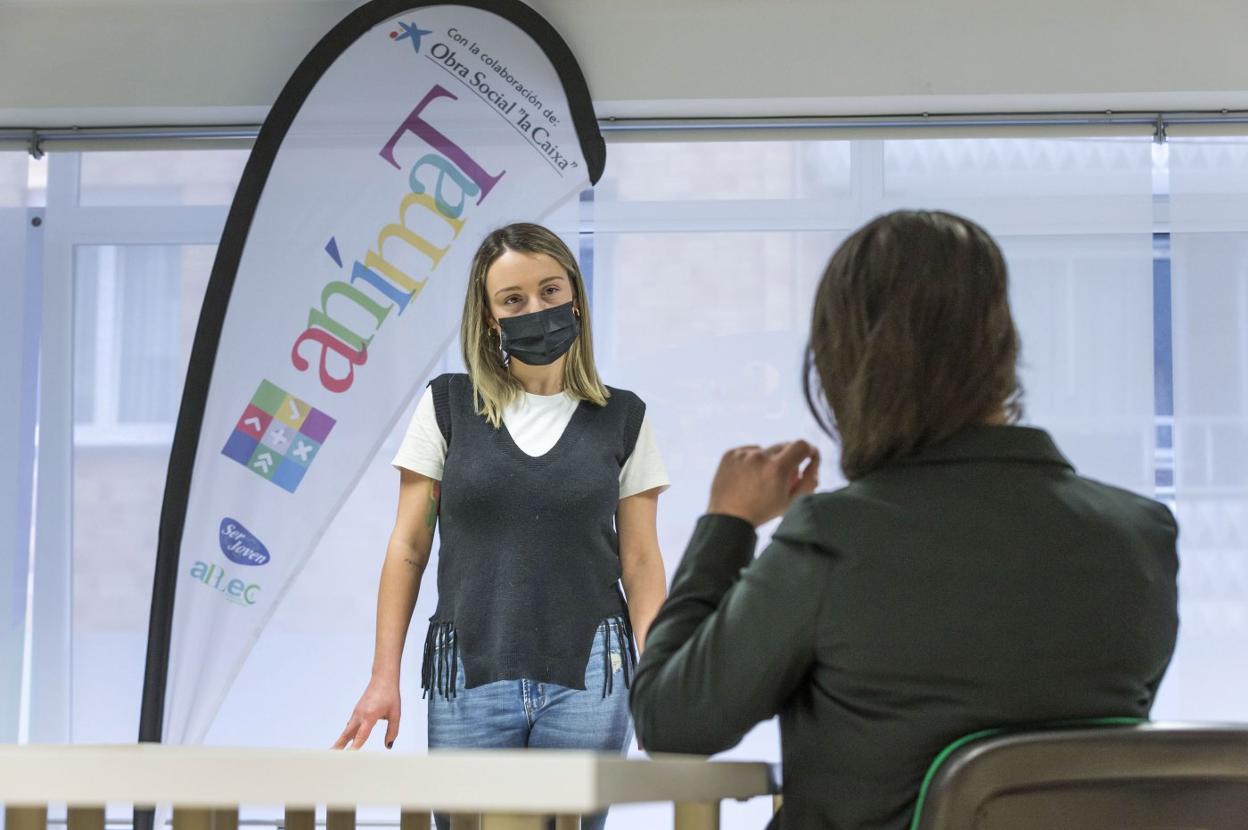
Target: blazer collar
994,443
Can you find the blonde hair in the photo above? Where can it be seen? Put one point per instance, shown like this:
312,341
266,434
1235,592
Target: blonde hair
494,388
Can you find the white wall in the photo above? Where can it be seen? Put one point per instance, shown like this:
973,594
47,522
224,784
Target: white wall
101,62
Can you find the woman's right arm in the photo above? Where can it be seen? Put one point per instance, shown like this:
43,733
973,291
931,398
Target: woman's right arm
737,636
406,556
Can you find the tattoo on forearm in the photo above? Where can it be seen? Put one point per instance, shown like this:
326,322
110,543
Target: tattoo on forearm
431,513
411,562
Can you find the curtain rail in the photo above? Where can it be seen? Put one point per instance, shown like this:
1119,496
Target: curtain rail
1160,123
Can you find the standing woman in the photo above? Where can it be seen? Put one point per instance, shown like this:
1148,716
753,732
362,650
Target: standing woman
545,483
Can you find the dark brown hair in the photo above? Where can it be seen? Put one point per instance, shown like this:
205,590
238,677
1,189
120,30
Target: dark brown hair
911,339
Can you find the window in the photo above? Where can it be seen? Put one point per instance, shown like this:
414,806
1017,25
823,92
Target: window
1129,285
167,177
135,308
1207,432
19,368
123,286
704,301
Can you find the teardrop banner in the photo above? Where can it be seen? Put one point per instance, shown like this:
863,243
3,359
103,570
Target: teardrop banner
406,135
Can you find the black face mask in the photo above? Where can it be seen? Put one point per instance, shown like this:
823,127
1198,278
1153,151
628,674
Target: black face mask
542,337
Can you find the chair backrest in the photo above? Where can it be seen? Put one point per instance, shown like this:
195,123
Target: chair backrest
1143,777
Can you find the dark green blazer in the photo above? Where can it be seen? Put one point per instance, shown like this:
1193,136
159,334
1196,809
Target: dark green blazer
979,584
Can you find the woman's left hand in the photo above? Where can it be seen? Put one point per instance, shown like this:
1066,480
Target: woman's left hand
759,484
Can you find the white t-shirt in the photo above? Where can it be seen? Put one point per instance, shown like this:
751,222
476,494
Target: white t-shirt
535,423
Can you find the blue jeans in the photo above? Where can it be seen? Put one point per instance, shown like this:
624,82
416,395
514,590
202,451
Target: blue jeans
512,714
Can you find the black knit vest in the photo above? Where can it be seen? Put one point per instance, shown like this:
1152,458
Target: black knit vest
529,560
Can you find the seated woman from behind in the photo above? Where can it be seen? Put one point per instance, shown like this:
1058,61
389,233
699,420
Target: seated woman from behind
967,577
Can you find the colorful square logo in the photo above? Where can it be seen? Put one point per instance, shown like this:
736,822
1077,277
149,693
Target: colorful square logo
278,436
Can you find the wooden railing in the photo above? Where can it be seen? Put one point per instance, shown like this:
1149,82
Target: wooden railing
508,790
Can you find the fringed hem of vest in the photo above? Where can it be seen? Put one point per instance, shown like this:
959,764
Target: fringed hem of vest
439,671
620,629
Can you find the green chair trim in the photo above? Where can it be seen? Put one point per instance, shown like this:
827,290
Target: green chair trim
1087,723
